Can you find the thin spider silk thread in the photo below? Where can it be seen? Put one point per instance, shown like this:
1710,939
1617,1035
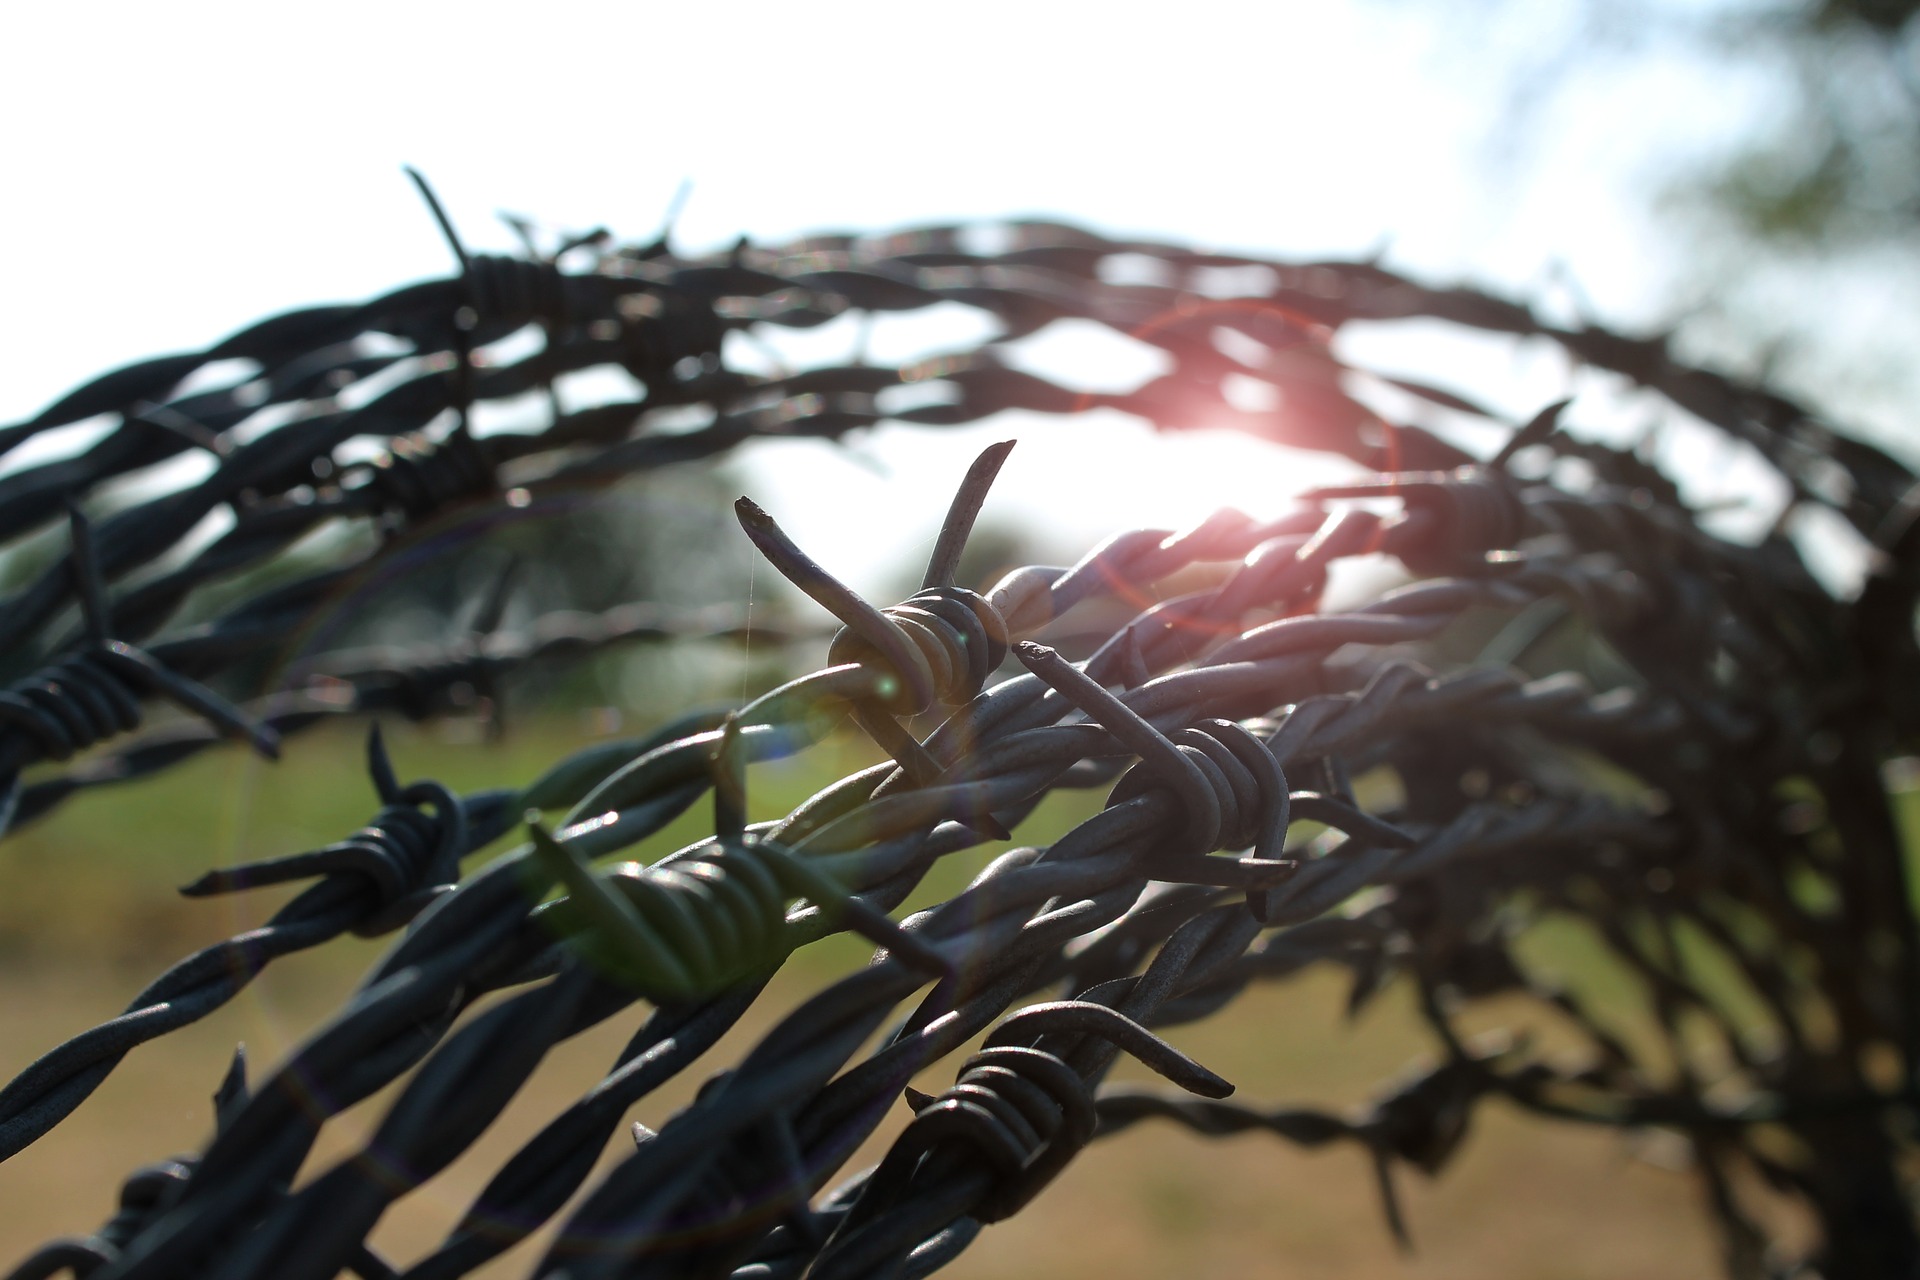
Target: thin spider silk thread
746,648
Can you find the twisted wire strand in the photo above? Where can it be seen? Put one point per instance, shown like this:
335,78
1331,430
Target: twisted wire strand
406,856
1422,1123
1225,697
707,749
370,884
652,312
418,682
82,699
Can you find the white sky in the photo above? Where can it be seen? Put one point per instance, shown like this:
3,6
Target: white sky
176,171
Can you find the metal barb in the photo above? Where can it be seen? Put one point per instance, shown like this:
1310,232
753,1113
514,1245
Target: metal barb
440,217
944,563
94,611
1537,430
1743,717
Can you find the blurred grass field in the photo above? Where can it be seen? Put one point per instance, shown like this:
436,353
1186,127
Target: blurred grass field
88,916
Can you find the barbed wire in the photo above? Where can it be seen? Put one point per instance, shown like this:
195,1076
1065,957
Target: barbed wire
418,682
1717,791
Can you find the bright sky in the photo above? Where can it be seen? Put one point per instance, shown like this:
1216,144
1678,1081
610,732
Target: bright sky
177,171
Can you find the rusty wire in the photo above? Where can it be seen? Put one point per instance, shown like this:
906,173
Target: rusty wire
1743,726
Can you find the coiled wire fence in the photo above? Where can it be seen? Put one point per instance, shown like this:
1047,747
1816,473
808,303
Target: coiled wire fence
1710,784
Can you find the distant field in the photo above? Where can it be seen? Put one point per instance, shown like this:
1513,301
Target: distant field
87,916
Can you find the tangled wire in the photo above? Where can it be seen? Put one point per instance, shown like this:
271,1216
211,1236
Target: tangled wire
1675,739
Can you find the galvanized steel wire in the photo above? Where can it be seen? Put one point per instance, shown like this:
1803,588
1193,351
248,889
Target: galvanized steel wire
1722,792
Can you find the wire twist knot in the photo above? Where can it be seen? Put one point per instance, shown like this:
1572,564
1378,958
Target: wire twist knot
75,702
1231,790
406,855
956,639
88,696
693,925
1024,1111
418,476
1021,1110
1453,518
941,645
511,289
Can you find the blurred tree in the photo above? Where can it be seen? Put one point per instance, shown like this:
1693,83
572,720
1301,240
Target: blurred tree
1838,162
1788,169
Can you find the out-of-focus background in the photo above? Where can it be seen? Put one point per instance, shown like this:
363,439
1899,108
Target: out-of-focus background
1744,174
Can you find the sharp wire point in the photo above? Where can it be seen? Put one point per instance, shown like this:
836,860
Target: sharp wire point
440,217
1745,714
